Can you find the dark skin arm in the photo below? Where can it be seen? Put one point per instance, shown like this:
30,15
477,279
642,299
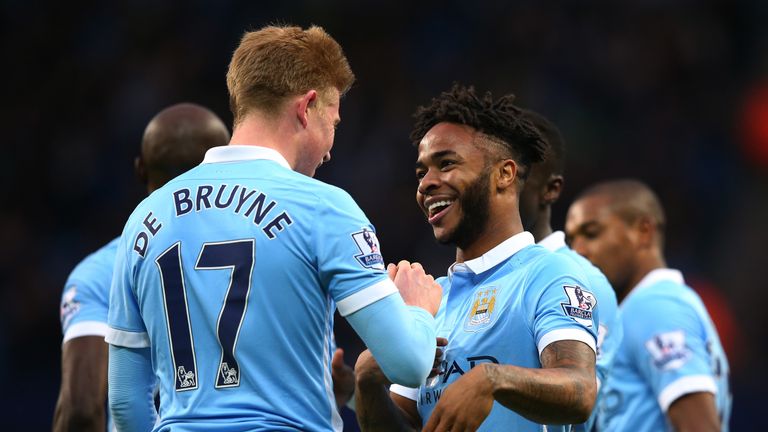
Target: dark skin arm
563,391
343,379
694,412
83,393
376,407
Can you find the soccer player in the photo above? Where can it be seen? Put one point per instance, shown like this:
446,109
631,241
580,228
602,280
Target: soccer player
175,140
227,278
670,372
520,350
542,189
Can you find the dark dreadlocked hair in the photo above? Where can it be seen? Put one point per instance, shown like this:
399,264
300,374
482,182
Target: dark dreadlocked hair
501,121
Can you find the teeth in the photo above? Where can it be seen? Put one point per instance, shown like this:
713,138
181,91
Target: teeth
438,204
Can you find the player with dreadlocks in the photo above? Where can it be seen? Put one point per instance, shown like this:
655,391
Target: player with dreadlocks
518,351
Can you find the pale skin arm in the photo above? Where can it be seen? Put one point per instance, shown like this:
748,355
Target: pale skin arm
694,412
83,394
563,391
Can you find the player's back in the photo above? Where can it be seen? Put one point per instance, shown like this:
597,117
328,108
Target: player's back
237,292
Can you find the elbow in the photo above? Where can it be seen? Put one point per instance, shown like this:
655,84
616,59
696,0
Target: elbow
586,403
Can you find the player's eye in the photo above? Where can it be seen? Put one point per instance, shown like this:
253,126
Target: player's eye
420,173
446,163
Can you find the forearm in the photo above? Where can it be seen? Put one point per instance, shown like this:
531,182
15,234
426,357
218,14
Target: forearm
131,386
401,338
555,395
375,409
83,392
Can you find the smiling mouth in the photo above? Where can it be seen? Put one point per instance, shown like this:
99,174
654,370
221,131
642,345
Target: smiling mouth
438,209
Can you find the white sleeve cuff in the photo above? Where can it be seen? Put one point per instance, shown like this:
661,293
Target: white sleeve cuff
685,385
567,334
406,392
127,339
86,328
366,296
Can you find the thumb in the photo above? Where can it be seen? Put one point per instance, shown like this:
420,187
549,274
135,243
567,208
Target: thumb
338,358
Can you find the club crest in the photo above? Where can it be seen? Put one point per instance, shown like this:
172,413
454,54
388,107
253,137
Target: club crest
668,350
370,253
580,304
481,313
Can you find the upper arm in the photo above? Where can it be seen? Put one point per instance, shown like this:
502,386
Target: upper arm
84,367
670,350
694,412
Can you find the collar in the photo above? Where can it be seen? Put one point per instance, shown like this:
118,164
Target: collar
554,241
655,276
493,257
237,153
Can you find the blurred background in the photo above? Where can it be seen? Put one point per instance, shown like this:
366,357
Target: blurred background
672,92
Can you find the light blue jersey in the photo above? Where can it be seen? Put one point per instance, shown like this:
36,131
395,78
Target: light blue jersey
85,300
610,330
505,307
670,349
230,273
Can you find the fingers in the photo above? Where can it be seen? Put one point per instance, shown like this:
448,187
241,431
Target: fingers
441,341
391,271
338,359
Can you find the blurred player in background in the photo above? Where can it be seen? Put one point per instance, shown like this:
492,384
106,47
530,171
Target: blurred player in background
515,358
542,189
175,140
227,278
670,372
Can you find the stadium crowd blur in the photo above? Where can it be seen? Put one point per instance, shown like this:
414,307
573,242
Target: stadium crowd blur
674,93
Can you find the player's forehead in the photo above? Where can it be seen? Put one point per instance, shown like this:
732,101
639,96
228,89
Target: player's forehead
588,209
448,139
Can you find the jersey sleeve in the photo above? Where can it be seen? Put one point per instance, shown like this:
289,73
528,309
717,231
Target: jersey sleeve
349,257
85,299
561,304
670,350
126,327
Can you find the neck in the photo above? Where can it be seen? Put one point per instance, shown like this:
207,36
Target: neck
497,231
258,130
647,264
542,227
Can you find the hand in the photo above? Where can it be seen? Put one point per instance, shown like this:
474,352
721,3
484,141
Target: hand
343,378
464,404
368,372
441,342
416,287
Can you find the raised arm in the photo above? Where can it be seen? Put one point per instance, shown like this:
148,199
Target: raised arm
562,392
83,392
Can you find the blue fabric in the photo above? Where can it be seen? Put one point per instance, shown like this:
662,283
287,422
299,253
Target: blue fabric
502,315
132,408
85,298
670,348
610,330
233,271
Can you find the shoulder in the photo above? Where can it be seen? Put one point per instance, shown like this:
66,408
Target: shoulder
541,263
98,265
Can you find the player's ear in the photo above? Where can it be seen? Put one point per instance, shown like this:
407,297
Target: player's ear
553,188
646,232
507,172
140,169
306,101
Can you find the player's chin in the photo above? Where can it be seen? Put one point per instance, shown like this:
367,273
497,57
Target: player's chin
442,235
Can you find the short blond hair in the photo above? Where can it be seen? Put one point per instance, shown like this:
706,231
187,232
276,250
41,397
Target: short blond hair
276,62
